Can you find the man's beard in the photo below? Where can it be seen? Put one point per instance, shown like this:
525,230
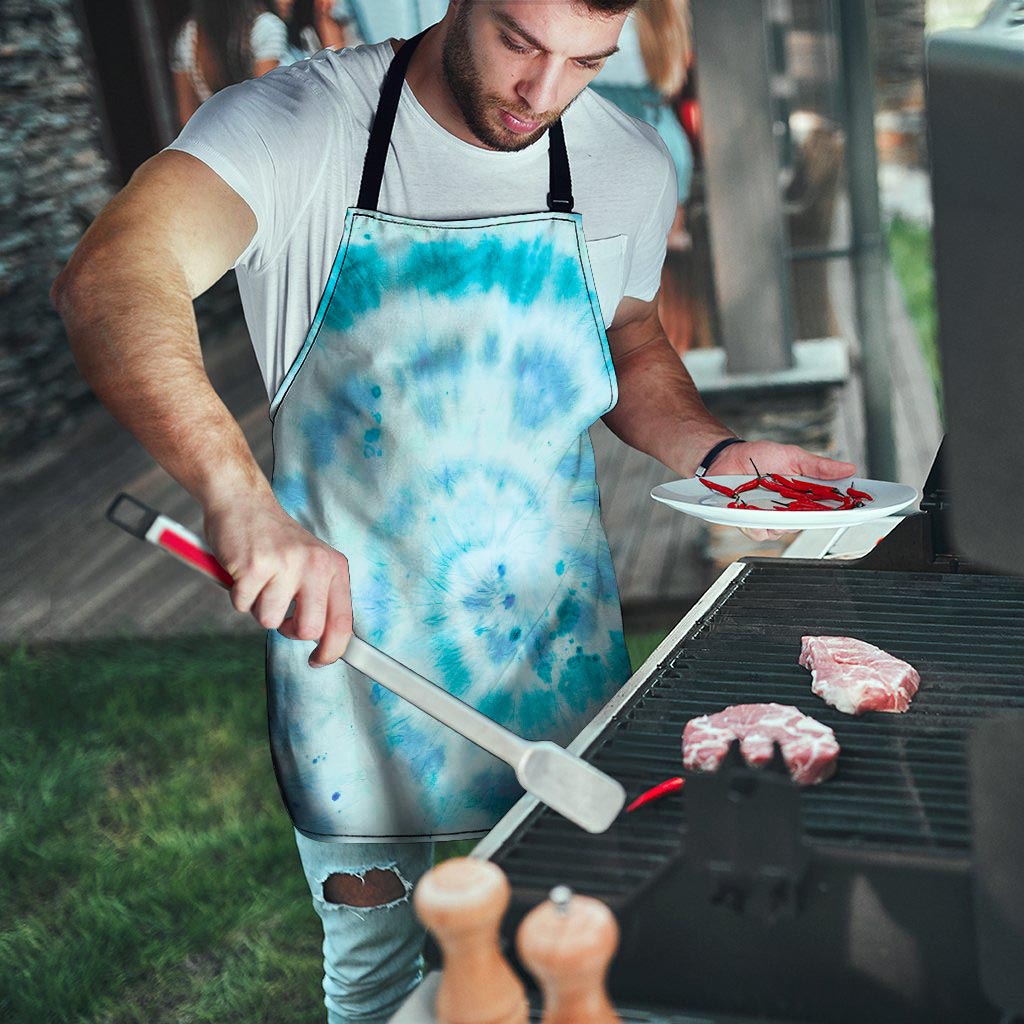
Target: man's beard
464,83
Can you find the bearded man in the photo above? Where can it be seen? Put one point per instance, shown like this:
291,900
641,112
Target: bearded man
449,253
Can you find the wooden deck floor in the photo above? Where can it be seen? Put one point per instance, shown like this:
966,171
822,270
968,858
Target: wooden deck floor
71,574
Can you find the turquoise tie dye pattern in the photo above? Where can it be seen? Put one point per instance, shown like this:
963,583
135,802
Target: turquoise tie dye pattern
434,429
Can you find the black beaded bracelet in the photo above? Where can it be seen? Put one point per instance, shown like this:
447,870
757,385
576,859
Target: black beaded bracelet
705,463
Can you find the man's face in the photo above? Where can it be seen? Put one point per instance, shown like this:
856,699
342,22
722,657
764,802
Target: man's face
513,66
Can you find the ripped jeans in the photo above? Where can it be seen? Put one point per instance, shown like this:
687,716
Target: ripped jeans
372,954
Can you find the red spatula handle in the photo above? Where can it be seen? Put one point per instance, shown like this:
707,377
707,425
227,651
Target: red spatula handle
147,524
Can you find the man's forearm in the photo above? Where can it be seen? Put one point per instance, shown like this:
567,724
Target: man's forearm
133,333
660,411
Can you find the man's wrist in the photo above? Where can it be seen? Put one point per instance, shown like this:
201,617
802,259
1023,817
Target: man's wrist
714,452
233,484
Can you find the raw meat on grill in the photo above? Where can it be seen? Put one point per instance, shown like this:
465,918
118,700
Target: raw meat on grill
809,748
855,677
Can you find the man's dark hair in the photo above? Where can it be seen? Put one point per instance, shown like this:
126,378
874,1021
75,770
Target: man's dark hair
609,6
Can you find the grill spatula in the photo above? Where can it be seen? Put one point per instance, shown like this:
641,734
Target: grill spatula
566,783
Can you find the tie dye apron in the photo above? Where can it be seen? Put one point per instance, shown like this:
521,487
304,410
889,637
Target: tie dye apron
433,428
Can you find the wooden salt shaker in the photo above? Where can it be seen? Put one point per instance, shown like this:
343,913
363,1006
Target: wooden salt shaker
462,902
567,943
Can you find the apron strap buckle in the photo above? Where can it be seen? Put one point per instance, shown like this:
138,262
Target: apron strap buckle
560,204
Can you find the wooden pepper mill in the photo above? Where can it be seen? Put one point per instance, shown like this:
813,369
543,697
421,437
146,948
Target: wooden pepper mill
462,902
567,943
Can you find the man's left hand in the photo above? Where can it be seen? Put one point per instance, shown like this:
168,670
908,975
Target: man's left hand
771,457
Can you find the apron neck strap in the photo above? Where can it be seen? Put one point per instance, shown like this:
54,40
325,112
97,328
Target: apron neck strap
559,197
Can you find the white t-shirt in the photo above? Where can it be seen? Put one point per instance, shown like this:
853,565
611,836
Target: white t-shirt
292,144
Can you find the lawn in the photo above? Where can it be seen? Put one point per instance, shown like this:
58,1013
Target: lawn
149,871
910,247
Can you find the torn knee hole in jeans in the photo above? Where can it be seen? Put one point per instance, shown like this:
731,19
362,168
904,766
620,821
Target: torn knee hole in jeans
370,889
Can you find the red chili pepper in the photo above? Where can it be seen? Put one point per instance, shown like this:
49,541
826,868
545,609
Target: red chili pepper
806,505
750,485
720,488
772,485
656,793
793,485
789,492
808,487
863,495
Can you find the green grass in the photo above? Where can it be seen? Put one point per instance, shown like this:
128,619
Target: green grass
148,868
910,246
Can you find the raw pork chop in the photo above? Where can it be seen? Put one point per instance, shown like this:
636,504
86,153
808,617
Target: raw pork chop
809,748
855,677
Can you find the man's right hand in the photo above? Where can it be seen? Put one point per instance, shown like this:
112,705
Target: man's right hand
275,562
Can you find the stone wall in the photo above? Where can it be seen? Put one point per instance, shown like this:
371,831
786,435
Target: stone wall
54,178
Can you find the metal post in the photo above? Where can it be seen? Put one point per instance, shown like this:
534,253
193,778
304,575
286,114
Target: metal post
867,237
154,65
748,237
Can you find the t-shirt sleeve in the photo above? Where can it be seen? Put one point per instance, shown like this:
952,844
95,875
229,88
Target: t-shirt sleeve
269,38
652,238
268,139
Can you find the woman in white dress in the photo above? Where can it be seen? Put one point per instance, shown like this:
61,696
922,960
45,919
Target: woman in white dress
221,43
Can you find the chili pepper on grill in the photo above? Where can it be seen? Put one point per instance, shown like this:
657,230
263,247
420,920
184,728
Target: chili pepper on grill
656,793
720,488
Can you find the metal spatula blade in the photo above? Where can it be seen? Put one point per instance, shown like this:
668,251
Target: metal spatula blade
577,790
566,783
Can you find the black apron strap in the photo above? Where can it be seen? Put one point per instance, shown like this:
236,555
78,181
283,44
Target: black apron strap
560,197
383,122
560,183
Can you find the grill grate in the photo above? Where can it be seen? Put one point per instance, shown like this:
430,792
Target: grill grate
902,779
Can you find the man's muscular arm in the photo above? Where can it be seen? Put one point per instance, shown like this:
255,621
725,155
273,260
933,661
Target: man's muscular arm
659,410
126,301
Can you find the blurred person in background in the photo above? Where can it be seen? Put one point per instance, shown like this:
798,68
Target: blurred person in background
647,75
314,25
221,43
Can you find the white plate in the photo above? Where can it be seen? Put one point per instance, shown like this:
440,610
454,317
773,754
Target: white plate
693,498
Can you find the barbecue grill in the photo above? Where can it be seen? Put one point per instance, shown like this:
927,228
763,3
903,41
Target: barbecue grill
746,896
893,892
